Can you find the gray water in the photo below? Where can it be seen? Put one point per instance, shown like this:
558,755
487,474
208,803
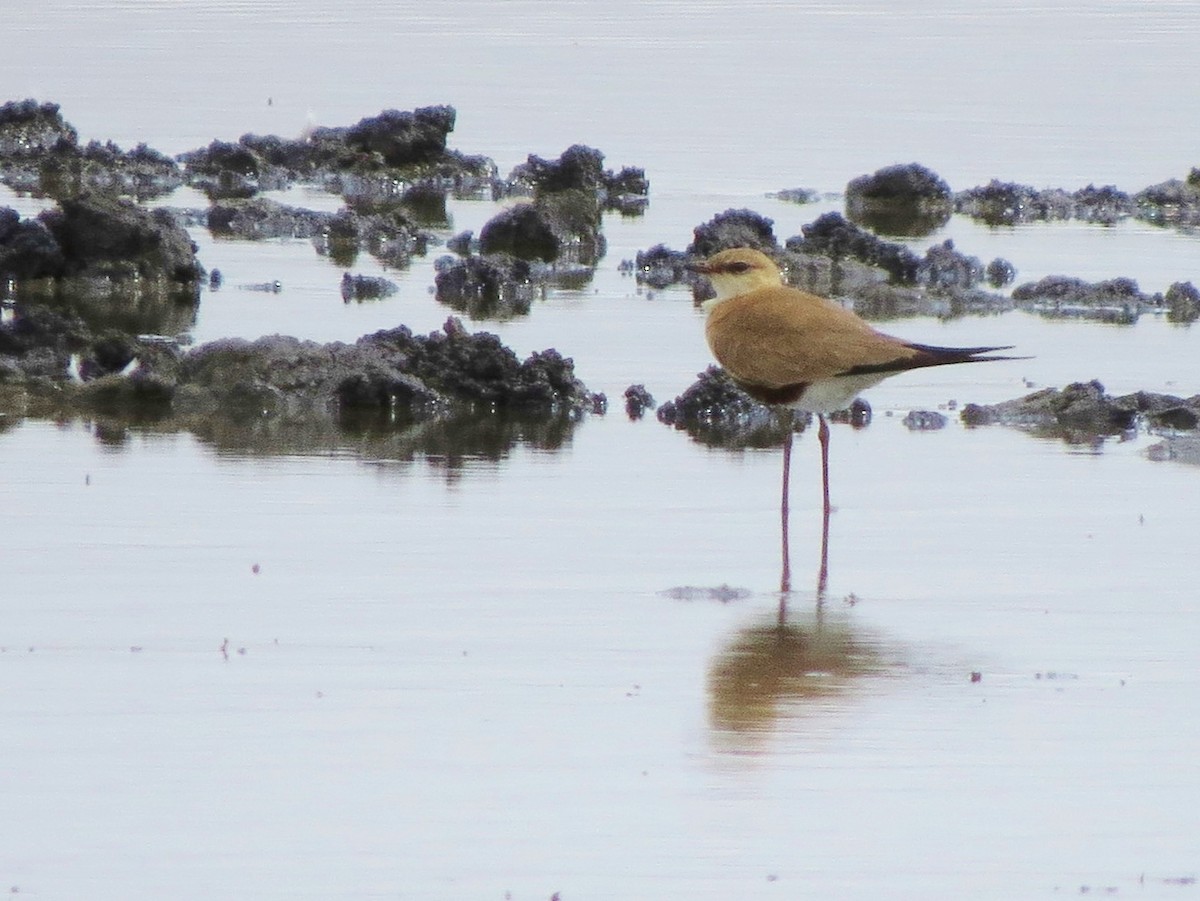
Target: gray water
333,668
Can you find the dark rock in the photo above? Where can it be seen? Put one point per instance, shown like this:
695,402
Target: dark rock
258,219
733,228
1115,300
101,235
30,129
1000,272
660,266
1183,302
1106,205
366,287
523,231
395,156
377,387
1007,203
1080,408
478,368
637,401
40,153
1172,202
833,236
405,138
1181,418
714,411
138,397
857,415
900,200
28,250
944,267
491,287
581,168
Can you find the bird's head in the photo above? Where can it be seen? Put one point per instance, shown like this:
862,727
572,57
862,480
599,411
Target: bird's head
738,271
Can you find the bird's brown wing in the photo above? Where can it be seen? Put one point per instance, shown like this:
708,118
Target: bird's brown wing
781,336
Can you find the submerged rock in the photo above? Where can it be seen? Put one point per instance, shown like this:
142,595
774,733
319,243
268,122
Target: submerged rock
924,421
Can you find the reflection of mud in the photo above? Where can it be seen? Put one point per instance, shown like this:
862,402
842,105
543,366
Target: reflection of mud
777,671
445,442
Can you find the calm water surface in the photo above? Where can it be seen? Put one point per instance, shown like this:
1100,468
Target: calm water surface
337,668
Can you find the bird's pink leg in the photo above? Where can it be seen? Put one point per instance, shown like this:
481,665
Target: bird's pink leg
823,437
785,580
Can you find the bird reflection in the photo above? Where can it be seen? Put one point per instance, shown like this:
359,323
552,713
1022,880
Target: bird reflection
786,668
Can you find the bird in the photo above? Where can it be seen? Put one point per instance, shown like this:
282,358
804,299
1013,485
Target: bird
796,350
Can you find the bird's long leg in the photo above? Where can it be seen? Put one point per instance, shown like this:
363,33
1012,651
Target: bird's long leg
823,437
785,579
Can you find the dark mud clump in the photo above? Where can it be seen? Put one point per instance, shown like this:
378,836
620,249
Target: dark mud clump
383,230
637,401
1174,202
924,421
733,228
1183,302
95,262
380,157
908,200
53,365
1083,410
393,374
497,286
659,267
562,221
366,287
40,153
715,412
1115,300
555,236
833,236
834,257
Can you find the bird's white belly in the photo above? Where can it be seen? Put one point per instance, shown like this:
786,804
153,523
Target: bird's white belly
831,395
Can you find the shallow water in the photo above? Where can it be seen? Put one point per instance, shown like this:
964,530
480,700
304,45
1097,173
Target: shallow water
327,667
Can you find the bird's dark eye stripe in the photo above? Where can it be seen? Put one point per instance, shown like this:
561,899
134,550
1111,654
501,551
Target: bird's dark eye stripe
738,267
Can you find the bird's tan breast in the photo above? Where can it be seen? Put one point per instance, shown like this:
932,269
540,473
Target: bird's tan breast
778,337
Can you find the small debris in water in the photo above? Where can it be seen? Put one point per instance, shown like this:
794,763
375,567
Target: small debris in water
976,676
255,568
722,593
